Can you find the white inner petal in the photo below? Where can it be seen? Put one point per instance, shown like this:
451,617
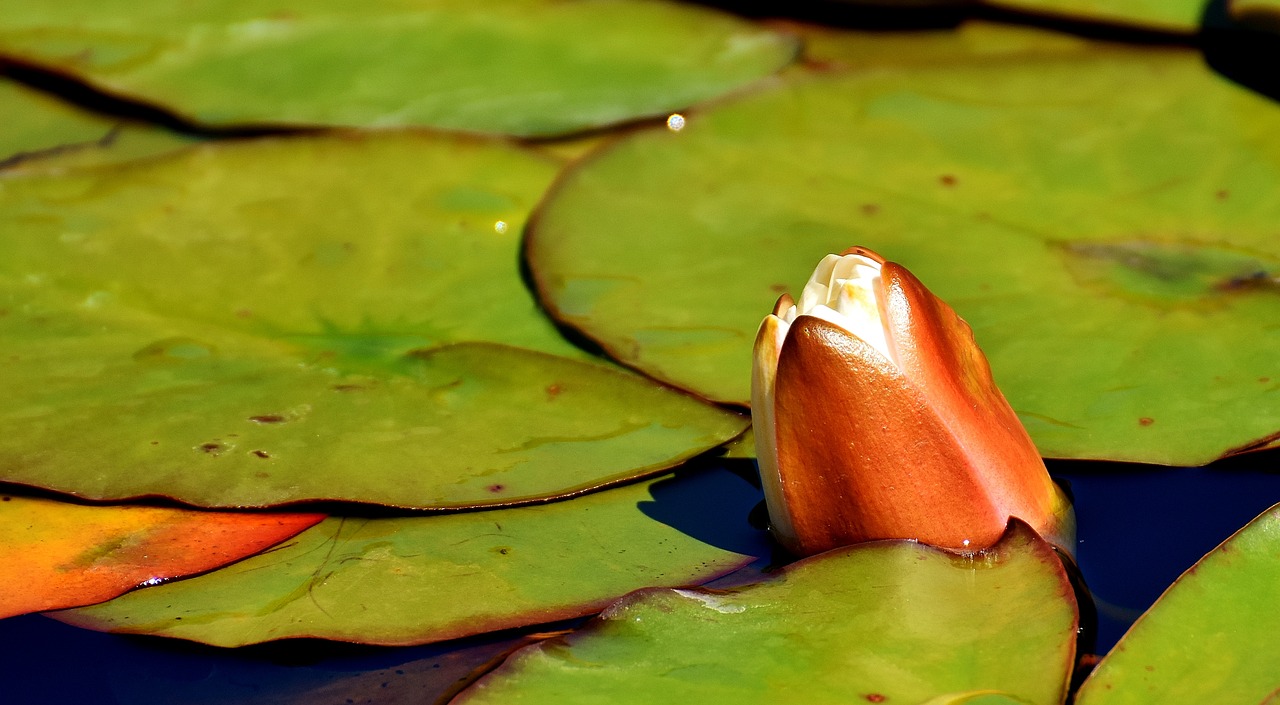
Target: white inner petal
842,291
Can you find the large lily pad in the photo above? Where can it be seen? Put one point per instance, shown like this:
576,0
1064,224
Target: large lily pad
416,580
1212,636
526,67
892,622
828,48
1102,219
37,125
335,317
57,555
1177,16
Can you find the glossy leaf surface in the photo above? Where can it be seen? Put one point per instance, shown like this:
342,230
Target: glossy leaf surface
315,318
1115,289
881,622
1212,636
55,555
37,125
417,580
526,67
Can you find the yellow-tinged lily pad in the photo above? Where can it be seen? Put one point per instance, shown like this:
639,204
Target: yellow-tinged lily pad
885,622
38,127
1103,219
1177,16
526,67
327,317
56,555
1212,637
423,579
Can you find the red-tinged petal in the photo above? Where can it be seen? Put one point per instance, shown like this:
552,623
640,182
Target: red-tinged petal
936,351
56,554
863,455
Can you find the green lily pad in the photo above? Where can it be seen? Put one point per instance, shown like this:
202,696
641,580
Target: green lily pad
891,622
1177,16
329,317
1103,220
417,580
525,67
1212,636
38,127
828,48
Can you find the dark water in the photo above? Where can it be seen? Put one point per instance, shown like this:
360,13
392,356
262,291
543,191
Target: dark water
1140,527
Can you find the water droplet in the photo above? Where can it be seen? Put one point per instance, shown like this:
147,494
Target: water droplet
675,123
500,227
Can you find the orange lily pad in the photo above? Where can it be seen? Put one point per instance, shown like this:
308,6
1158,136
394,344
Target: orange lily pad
57,555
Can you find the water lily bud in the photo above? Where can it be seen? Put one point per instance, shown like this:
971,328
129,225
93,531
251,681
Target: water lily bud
876,417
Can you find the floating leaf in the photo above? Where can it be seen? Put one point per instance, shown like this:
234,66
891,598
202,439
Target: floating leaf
891,622
1210,638
38,125
1178,16
330,317
56,555
416,580
526,67
1104,220
828,48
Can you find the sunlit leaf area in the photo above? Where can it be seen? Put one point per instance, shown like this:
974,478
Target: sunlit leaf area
405,351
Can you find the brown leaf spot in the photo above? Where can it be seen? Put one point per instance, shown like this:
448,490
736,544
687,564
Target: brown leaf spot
1146,421
262,454
267,418
496,488
875,698
553,390
1222,194
244,313
947,180
778,288
211,448
1264,380
870,208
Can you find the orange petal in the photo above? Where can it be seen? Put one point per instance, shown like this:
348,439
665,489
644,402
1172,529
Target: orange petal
863,455
56,555
935,349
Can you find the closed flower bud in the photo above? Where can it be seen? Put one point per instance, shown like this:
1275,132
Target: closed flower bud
876,417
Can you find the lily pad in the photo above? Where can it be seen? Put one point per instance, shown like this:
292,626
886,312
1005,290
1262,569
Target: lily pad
1212,636
417,580
524,67
57,555
38,126
328,317
827,48
1176,16
1103,220
891,622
